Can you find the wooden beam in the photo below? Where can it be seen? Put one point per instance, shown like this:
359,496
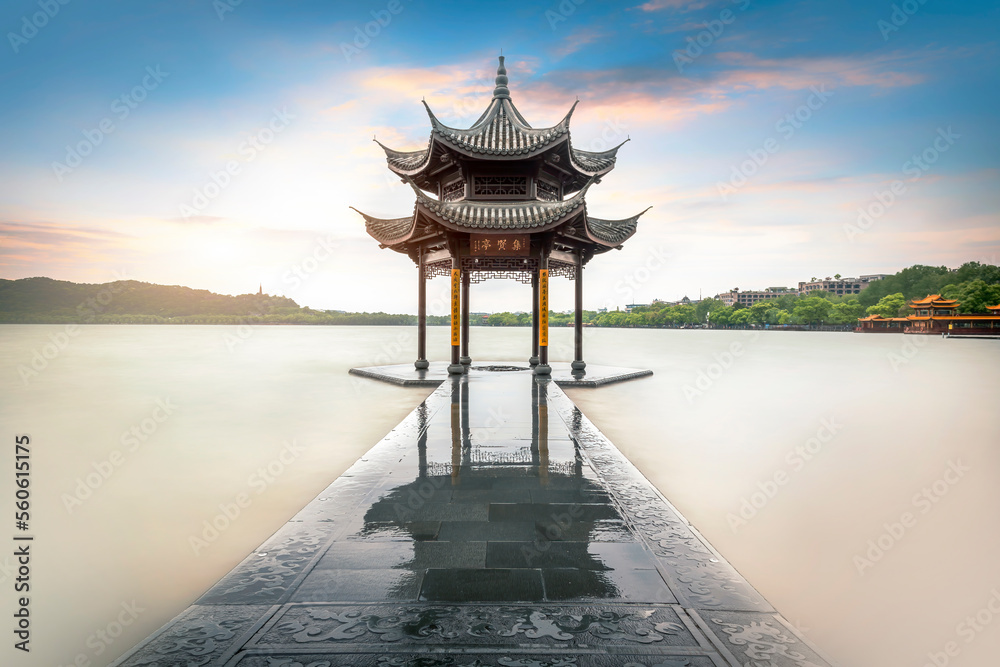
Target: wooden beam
437,256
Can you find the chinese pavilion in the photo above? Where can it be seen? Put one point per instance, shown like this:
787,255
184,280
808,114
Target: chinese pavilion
931,315
500,199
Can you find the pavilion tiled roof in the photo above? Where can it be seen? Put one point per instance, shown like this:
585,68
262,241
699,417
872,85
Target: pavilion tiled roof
612,232
491,216
531,215
388,231
595,163
935,300
501,132
405,163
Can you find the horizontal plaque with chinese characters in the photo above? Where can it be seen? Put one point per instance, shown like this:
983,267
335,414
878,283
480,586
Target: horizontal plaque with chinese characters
500,245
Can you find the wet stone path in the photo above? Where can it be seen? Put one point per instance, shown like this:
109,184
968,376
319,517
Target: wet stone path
494,526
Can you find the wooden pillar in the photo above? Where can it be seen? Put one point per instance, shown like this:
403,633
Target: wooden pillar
456,367
543,367
534,319
465,359
578,363
421,363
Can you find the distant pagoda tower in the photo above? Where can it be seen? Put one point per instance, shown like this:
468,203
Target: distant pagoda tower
500,200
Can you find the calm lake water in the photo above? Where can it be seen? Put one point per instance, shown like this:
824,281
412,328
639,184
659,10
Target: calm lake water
852,479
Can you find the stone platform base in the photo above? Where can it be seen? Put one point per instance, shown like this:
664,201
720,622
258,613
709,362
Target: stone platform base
405,375
495,526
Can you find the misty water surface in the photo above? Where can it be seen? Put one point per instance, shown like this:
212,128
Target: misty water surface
853,427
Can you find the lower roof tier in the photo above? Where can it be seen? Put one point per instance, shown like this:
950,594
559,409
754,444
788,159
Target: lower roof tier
502,217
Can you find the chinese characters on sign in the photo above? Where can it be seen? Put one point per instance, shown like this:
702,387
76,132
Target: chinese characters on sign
507,245
543,307
456,305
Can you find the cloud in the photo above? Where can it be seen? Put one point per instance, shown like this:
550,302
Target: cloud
891,70
199,219
41,246
576,40
677,5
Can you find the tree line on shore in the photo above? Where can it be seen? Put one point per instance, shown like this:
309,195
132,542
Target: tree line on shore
47,301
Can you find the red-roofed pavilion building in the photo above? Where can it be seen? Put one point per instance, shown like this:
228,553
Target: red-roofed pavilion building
934,314
500,199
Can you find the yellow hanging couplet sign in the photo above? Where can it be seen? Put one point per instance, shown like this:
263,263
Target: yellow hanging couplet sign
543,307
456,306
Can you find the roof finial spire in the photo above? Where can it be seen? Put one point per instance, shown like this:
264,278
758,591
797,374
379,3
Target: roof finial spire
501,90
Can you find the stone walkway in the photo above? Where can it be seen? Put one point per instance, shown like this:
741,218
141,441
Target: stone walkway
494,526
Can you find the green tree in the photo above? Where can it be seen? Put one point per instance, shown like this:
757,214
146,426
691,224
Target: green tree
812,310
758,311
720,317
741,317
846,312
774,315
705,307
888,306
973,296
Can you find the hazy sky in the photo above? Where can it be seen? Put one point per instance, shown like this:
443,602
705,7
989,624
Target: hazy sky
219,144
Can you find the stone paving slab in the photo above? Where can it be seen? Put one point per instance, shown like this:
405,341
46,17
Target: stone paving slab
494,526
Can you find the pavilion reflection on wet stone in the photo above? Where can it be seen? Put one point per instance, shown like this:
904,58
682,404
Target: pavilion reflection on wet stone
500,200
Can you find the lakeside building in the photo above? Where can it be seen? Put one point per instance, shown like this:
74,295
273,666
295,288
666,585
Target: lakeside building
749,298
933,315
836,286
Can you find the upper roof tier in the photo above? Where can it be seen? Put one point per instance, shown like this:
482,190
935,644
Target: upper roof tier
934,301
502,134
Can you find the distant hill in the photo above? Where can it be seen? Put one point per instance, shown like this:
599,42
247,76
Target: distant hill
48,301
